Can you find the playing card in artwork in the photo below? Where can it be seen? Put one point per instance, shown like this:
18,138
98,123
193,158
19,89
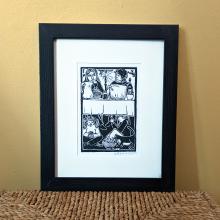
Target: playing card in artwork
108,109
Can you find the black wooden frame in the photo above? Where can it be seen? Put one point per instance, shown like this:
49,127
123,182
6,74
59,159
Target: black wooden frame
47,34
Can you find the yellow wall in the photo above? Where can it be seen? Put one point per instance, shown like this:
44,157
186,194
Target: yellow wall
198,135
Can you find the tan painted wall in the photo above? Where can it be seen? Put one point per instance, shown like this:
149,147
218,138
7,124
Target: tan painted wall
198,136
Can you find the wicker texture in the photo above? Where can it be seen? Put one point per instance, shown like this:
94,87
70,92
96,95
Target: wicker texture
107,205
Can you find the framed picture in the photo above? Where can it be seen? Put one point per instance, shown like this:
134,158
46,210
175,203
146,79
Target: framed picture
108,106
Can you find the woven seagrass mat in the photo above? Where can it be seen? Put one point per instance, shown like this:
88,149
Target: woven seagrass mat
107,205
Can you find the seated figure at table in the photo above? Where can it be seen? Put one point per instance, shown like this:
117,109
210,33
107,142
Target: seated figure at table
118,88
91,86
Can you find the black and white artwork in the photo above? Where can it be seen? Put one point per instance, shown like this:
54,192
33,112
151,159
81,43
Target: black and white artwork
108,109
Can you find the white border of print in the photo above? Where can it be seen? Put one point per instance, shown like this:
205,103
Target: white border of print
146,163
